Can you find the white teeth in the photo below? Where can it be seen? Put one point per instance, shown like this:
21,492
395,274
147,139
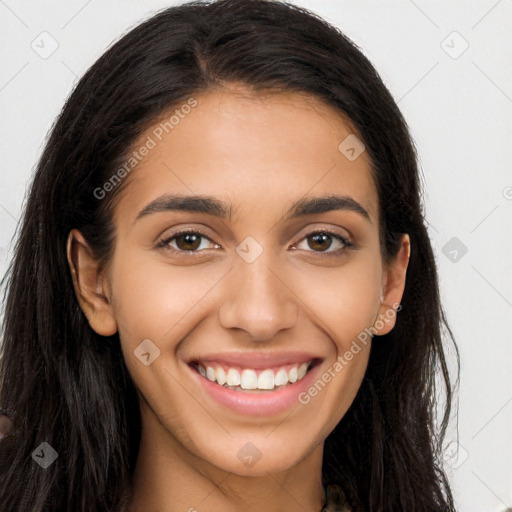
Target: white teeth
303,368
249,379
210,373
233,377
221,376
281,377
266,379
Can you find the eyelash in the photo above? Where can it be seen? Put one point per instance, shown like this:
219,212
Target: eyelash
348,245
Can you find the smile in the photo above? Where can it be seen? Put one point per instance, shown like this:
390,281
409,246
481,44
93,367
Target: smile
255,384
249,379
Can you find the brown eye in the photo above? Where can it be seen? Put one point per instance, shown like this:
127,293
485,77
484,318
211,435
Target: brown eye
186,241
321,241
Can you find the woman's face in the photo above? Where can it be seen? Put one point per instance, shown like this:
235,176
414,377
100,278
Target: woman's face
251,294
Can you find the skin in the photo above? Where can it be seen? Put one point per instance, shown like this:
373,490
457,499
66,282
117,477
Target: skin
261,153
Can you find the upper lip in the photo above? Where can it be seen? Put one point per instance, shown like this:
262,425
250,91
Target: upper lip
256,360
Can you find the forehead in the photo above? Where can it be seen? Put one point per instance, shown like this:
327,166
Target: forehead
255,151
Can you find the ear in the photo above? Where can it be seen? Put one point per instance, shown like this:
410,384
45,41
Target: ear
91,286
393,285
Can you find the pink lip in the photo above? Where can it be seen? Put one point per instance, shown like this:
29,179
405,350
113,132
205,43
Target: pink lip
256,360
258,404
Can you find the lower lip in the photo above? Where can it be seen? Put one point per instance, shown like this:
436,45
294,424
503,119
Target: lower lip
263,403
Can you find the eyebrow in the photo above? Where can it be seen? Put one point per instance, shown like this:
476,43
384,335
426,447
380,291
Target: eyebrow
215,207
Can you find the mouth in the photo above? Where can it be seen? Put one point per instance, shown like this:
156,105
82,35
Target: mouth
254,384
251,380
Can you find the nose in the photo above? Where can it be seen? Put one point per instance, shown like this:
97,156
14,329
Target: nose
258,300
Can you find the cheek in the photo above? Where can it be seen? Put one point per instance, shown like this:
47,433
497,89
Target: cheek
152,298
344,299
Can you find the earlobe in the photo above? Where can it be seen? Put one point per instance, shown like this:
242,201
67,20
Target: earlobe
393,288
90,285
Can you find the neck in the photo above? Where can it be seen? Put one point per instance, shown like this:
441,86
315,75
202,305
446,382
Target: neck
168,478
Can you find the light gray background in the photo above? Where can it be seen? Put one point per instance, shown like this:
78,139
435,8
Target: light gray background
459,107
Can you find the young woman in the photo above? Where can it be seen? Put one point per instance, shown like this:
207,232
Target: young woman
223,295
